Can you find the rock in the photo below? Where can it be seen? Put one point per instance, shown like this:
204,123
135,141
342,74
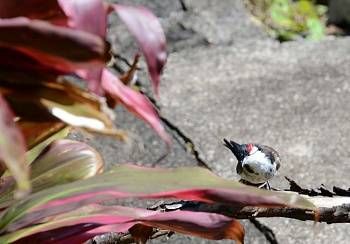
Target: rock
222,22
216,22
338,13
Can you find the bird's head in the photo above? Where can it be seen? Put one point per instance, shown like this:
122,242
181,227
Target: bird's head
240,150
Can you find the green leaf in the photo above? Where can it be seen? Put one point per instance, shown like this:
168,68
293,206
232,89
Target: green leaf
281,12
131,181
46,137
65,102
12,148
290,19
63,161
316,29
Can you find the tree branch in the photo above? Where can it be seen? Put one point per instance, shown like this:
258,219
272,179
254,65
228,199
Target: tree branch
329,210
332,207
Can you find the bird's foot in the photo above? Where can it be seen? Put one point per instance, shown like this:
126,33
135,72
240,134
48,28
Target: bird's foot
265,185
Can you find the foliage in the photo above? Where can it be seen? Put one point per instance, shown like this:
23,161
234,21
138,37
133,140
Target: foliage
52,189
47,210
40,51
288,19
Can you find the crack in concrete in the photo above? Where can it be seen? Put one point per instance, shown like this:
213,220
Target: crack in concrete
189,145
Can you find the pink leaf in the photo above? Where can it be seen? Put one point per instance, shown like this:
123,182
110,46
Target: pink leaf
86,15
89,16
71,234
12,148
134,102
236,197
150,36
56,46
120,219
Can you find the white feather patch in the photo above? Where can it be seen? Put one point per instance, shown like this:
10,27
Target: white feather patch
262,168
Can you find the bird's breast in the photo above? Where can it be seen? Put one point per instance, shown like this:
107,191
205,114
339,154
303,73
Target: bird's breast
257,168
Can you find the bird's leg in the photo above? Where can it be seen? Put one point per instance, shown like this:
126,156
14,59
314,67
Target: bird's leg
265,185
268,185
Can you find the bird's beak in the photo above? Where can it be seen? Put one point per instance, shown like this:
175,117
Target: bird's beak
237,149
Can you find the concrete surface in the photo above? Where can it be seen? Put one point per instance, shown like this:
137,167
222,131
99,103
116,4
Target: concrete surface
226,78
294,97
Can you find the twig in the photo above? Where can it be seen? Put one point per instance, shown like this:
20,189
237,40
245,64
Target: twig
265,230
329,210
183,5
331,206
111,238
124,60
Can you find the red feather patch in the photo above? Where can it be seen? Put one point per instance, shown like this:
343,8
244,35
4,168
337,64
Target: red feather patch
249,147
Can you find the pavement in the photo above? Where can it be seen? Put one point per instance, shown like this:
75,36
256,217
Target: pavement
225,78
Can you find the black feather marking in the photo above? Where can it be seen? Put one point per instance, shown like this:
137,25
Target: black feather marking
239,168
237,149
249,169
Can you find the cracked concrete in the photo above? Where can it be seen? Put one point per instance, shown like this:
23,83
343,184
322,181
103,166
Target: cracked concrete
296,101
226,78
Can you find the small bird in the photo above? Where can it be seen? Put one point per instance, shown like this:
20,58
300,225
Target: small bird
257,164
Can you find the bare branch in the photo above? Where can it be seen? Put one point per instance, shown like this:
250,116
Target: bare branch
265,230
329,209
332,207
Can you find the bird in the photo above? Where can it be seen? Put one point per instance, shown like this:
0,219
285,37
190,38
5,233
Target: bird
257,163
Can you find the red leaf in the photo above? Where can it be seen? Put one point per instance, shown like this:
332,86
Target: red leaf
237,197
17,67
89,16
150,36
119,219
56,46
86,15
34,9
71,234
93,78
134,102
12,148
